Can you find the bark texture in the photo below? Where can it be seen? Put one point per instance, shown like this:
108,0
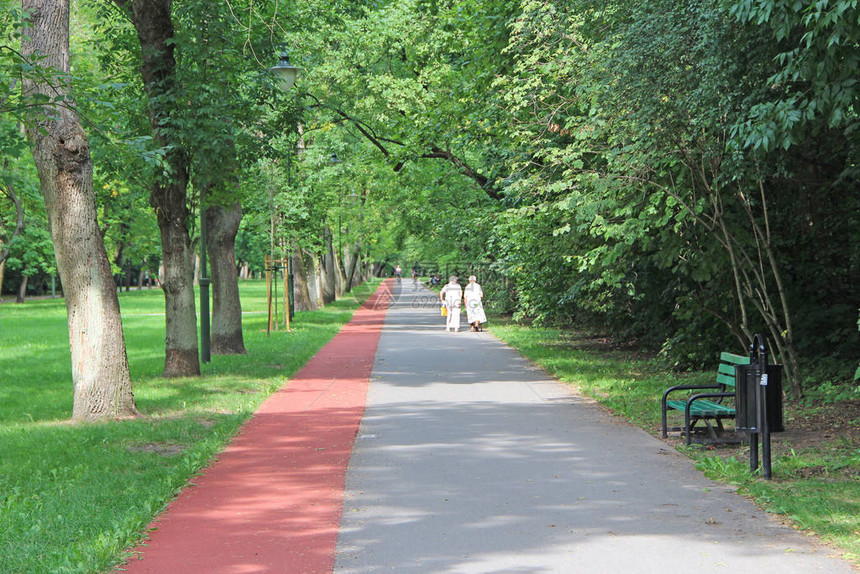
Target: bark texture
301,295
22,289
340,280
102,386
222,225
181,350
351,256
154,26
328,282
314,278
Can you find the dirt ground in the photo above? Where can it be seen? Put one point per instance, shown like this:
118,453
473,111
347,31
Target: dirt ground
826,423
829,428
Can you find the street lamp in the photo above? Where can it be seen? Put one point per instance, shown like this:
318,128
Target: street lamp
286,76
285,72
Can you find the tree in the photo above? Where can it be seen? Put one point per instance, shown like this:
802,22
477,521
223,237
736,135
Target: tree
102,386
213,85
153,22
222,226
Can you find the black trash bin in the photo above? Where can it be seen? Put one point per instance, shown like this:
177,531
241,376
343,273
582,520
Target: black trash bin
746,387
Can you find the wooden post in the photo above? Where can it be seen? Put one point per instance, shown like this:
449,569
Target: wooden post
286,264
269,293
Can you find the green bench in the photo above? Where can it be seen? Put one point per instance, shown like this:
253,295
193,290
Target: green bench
706,407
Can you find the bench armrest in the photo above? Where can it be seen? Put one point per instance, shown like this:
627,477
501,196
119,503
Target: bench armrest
708,396
687,415
688,388
664,406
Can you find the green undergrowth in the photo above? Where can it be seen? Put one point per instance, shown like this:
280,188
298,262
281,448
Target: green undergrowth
816,485
74,497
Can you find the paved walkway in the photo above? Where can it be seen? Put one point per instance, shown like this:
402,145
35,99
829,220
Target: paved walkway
467,460
470,460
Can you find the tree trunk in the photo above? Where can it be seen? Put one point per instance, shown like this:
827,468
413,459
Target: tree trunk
351,267
222,225
328,281
195,264
312,276
100,375
340,276
152,21
354,273
2,275
301,296
22,289
181,350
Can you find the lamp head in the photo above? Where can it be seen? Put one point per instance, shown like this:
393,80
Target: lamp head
285,72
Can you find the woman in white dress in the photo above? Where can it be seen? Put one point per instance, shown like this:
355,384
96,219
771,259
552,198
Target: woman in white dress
452,298
474,308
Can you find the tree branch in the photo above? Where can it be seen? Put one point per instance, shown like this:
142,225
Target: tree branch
435,151
465,169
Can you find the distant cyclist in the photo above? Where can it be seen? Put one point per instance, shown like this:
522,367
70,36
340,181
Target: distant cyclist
398,273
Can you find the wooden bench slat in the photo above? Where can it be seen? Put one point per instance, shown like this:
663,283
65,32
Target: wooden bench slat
727,380
702,408
734,359
726,369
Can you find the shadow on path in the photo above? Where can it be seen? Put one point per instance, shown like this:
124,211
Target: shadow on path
470,459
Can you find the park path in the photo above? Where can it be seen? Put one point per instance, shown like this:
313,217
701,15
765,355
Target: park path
463,458
272,501
471,460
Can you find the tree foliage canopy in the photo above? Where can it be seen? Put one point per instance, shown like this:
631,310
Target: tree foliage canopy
682,174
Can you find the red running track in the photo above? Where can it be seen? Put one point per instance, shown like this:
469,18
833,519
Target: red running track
273,500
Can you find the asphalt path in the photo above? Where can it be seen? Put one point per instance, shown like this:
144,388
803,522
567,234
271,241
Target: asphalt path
471,460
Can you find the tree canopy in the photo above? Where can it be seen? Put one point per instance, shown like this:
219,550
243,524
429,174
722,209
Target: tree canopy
682,175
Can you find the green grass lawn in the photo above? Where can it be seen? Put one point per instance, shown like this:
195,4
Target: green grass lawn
74,496
817,487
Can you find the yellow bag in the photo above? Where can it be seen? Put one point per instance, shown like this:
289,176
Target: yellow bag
444,311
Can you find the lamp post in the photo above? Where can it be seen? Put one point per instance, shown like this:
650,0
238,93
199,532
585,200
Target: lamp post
205,337
334,161
286,75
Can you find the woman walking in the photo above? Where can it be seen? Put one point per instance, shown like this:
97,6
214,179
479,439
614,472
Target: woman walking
452,298
474,307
